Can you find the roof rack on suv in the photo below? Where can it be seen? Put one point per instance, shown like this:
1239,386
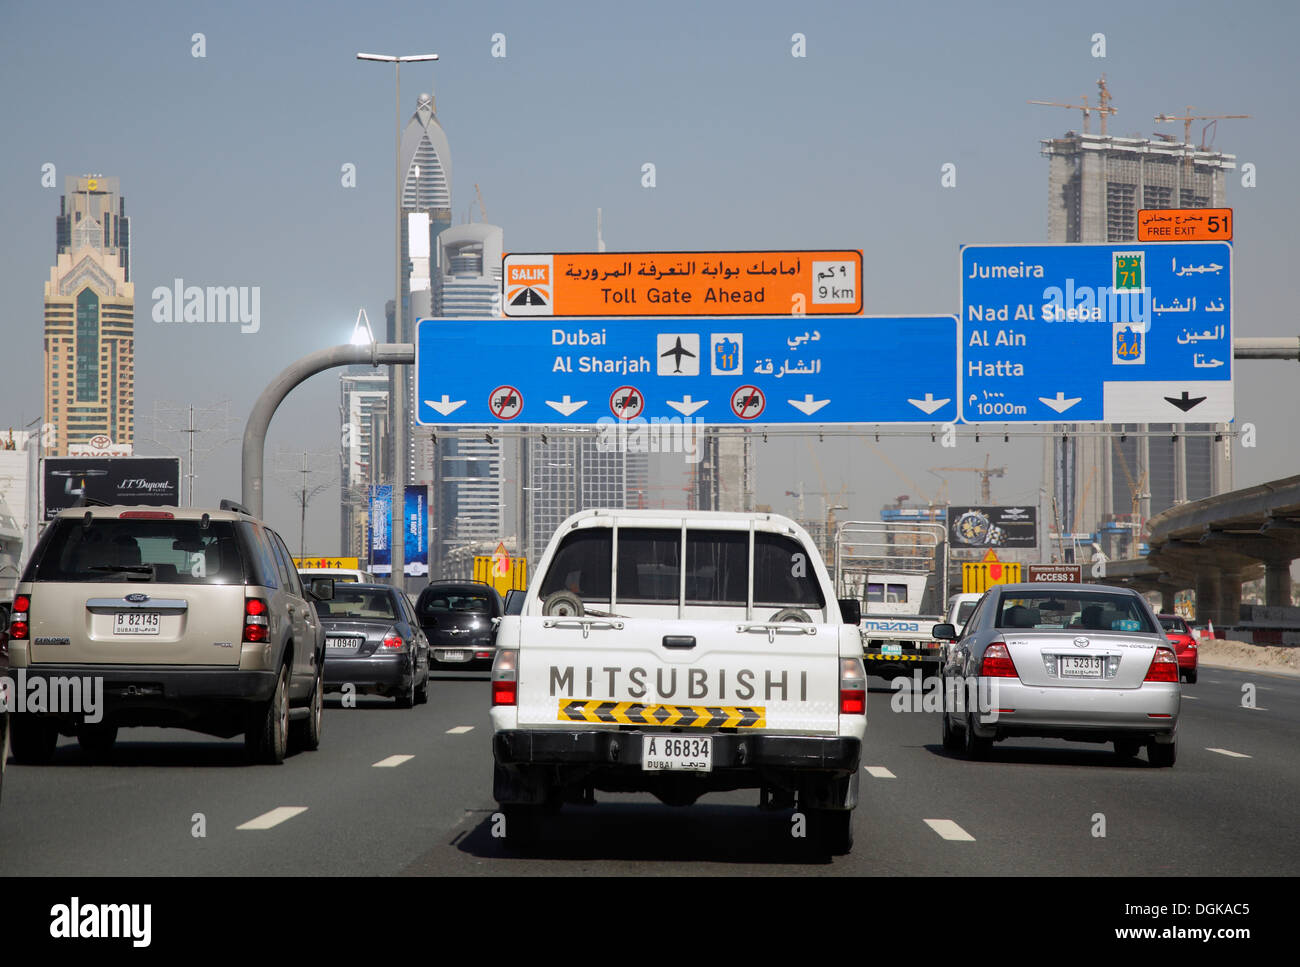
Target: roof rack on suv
235,506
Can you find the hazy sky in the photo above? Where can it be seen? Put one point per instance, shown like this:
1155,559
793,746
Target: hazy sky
231,169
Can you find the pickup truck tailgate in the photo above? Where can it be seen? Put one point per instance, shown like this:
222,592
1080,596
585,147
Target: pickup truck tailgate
615,672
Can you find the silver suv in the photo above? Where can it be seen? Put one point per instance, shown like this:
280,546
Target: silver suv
173,616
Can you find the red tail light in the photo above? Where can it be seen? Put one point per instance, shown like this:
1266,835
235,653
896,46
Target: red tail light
19,628
505,686
393,640
997,662
1164,666
256,625
145,515
853,687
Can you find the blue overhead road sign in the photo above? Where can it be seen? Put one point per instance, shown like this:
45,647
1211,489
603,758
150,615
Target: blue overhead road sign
1134,333
750,371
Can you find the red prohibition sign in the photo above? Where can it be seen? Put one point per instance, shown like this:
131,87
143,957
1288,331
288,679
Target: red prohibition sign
748,402
626,402
506,402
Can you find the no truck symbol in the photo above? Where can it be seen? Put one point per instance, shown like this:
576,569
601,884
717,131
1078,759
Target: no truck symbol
748,402
506,402
626,402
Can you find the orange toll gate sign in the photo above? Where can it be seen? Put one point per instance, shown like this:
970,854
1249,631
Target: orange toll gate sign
683,283
1185,225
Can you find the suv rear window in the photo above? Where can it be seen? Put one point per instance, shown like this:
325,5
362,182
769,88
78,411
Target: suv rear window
459,602
140,550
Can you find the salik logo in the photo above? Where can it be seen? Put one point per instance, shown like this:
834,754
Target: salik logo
528,285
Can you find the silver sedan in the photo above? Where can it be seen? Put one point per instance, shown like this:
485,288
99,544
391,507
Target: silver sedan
1082,662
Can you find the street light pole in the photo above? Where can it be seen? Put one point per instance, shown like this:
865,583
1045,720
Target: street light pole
398,508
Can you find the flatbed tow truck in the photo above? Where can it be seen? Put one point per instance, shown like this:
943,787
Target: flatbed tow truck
899,572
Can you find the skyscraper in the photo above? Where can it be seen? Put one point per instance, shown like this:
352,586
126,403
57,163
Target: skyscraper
90,320
725,478
1094,484
466,504
363,408
426,194
569,472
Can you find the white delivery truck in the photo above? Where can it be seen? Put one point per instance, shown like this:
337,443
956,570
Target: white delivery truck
898,571
679,653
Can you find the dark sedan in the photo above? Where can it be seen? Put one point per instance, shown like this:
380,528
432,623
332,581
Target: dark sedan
460,620
374,644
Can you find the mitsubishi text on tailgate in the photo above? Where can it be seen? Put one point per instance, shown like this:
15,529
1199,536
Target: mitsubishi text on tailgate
679,653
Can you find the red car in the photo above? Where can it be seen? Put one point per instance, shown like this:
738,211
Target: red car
1184,642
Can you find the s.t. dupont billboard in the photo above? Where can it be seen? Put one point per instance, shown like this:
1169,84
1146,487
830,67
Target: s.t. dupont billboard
151,481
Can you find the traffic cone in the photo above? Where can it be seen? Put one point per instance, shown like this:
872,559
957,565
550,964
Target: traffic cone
1209,629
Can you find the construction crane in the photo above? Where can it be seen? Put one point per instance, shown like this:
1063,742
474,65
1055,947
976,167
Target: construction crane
1189,117
1138,492
1103,107
986,474
1187,120
481,207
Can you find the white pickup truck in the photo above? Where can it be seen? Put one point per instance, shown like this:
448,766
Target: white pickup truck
679,653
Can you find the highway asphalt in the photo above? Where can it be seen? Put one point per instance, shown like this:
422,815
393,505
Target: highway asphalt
409,792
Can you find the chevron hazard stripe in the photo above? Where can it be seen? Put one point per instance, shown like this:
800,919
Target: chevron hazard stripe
684,716
870,657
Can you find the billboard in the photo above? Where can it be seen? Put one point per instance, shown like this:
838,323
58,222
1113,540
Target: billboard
972,527
151,481
818,282
417,530
1055,573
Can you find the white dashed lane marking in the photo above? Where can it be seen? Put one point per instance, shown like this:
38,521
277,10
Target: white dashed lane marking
274,818
1192,698
1229,752
879,772
391,761
460,730
950,830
